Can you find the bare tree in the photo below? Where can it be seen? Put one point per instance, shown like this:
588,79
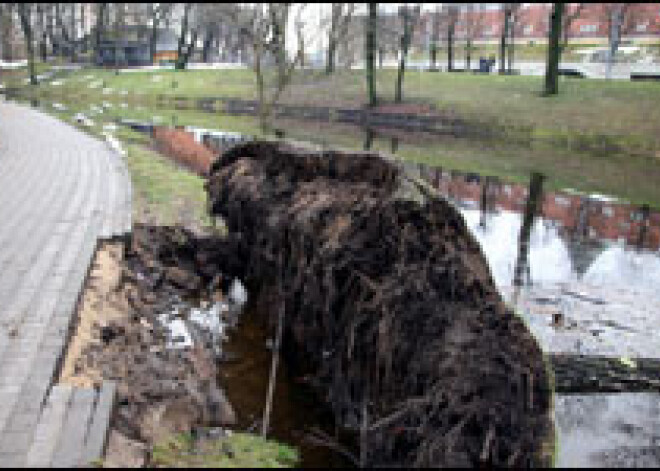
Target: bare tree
409,17
620,19
473,27
24,13
450,14
341,15
507,13
181,45
554,50
157,12
101,22
371,46
6,26
265,38
515,19
571,13
434,38
42,33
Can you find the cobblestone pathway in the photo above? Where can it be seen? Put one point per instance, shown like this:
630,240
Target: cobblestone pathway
60,192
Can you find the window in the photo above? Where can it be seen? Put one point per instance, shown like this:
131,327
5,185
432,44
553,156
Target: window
528,30
641,27
588,28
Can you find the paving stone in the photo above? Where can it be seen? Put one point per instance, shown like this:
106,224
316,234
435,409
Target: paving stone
68,452
48,430
60,191
99,427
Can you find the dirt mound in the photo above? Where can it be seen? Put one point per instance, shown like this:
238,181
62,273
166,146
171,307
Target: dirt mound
391,309
122,336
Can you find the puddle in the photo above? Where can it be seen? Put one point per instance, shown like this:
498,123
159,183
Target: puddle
295,408
241,343
608,430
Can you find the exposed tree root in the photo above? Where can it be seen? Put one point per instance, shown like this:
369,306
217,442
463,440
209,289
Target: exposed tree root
387,292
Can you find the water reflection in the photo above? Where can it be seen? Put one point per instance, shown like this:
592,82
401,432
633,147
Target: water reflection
530,237
532,210
582,269
610,430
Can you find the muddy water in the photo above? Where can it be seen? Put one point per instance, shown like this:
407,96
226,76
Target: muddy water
295,408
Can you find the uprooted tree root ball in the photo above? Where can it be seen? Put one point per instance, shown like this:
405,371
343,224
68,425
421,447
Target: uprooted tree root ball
391,310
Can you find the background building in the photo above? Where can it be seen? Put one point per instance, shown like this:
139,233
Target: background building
590,25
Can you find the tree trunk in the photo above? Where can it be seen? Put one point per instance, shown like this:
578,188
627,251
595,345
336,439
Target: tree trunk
372,22
72,36
450,47
191,48
263,113
64,34
503,36
468,54
554,50
206,48
615,37
434,56
43,51
153,38
82,28
405,44
435,37
180,63
512,45
330,60
532,210
24,13
279,23
332,38
98,33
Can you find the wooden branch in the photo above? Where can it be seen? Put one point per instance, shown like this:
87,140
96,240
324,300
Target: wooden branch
275,360
320,438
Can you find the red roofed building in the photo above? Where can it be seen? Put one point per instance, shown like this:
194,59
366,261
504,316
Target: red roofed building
590,24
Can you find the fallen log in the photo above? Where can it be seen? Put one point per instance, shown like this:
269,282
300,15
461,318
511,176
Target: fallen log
389,297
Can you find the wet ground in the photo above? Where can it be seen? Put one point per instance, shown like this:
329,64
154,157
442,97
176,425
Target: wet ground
296,409
608,430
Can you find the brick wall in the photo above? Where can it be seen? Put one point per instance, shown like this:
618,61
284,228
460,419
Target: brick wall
181,146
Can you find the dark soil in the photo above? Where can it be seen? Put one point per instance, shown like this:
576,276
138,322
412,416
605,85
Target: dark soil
161,390
390,309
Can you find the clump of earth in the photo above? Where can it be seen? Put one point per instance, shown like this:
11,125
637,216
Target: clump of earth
153,317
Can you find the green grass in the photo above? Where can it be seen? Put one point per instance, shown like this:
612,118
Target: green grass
190,83
581,105
164,192
240,450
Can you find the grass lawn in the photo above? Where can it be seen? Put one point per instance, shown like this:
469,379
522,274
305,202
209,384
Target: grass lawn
240,450
596,136
526,52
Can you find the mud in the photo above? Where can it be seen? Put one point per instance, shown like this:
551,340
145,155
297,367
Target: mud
163,388
391,313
